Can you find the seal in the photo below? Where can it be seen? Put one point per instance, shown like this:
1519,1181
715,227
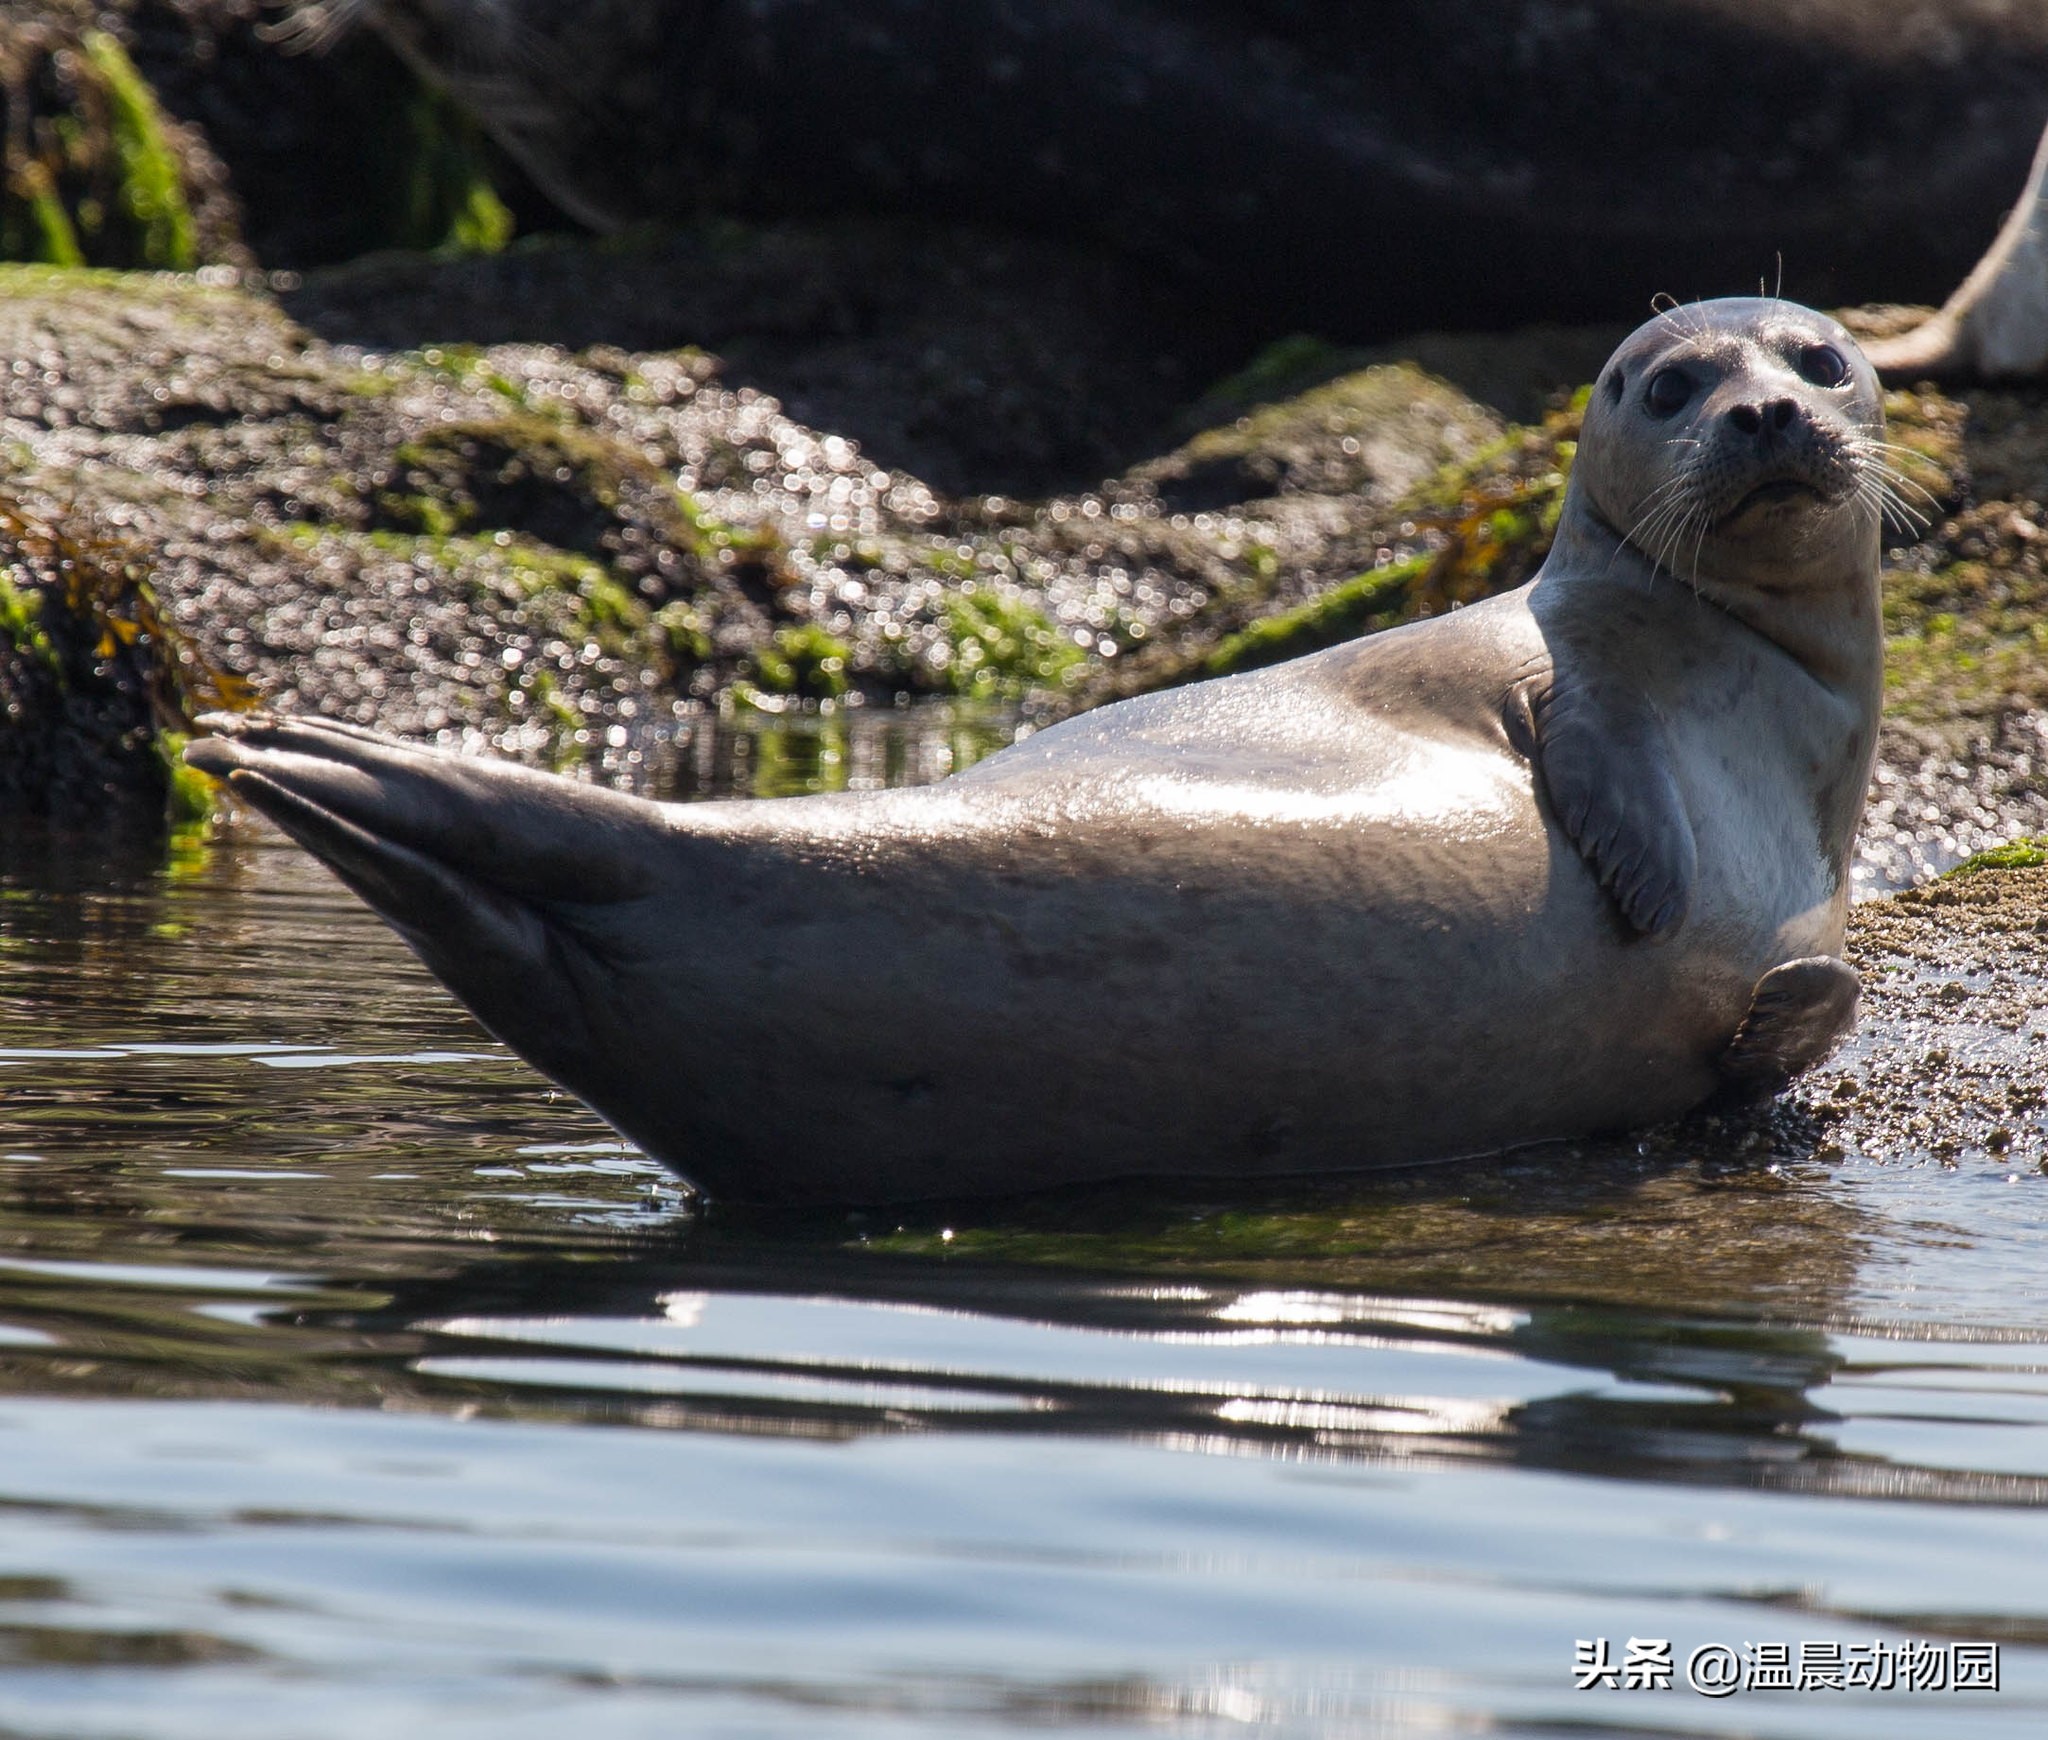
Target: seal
1995,325
1567,860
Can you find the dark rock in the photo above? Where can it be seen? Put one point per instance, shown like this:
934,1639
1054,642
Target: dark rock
980,363
1353,170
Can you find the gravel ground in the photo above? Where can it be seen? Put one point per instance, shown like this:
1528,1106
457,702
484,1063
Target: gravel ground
1947,1065
1949,1057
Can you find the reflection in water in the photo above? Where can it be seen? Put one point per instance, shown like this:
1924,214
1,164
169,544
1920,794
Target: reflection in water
312,1302
848,749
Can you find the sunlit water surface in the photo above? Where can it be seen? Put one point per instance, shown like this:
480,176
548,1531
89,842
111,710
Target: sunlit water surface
356,1384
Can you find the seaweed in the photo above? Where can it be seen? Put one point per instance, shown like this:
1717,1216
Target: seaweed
97,689
95,173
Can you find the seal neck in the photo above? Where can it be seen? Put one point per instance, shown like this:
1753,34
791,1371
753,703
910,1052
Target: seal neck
1823,610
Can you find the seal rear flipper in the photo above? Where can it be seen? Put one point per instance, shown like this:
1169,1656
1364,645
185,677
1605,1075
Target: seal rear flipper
1606,766
1798,1013
526,834
505,958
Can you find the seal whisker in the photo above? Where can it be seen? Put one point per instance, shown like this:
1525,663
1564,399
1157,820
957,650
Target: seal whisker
1654,513
1694,328
1634,537
1898,484
1872,491
1670,489
1672,516
1648,533
1863,443
1896,481
1665,307
1670,531
1892,508
1698,547
1873,455
1668,536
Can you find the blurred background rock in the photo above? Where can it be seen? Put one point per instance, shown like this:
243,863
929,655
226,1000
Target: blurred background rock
537,376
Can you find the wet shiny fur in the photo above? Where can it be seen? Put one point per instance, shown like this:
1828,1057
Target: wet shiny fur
1567,860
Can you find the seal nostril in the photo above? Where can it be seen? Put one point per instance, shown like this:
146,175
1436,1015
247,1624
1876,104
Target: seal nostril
1746,418
1782,413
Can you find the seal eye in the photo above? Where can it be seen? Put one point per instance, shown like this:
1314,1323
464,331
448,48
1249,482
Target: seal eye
1823,365
1669,392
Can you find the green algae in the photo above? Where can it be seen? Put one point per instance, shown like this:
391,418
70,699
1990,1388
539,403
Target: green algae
453,193
803,660
1349,609
511,567
430,189
152,190
189,794
521,472
1001,647
95,684
724,544
2024,854
43,231
684,631
1379,431
99,178
21,622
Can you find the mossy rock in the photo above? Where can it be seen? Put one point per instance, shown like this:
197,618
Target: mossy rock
560,549
1377,433
1282,370
1479,520
533,476
1347,610
1966,602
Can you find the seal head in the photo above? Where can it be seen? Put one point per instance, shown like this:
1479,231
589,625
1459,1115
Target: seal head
1735,444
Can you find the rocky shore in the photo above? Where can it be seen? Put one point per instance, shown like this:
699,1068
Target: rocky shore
423,493
557,497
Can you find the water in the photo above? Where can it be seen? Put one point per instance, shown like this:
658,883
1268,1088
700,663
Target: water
355,1384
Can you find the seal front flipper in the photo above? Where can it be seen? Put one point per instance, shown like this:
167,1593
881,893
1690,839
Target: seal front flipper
1797,1014
1606,767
